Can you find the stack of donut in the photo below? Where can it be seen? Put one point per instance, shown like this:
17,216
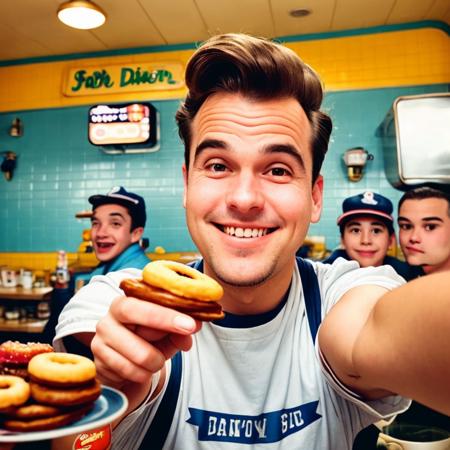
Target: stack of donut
62,389
15,356
177,286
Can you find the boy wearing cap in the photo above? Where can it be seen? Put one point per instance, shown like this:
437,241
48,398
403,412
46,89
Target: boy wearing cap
367,232
117,225
118,221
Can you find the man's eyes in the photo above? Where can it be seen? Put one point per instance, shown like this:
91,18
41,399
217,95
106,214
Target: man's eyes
279,171
430,227
217,167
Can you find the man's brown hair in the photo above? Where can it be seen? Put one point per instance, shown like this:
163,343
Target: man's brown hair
425,192
258,69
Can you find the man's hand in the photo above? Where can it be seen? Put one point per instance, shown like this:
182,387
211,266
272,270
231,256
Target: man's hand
133,342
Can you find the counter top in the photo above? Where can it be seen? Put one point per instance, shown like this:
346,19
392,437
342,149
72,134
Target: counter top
19,293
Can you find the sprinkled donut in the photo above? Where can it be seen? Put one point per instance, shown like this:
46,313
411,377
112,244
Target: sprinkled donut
15,352
180,279
14,391
61,369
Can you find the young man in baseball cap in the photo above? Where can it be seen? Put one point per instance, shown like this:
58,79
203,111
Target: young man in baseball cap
367,232
117,225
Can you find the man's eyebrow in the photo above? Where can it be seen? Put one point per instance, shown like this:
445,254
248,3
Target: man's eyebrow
209,143
288,149
274,148
424,219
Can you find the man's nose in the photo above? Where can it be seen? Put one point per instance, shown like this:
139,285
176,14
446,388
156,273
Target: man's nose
414,235
245,192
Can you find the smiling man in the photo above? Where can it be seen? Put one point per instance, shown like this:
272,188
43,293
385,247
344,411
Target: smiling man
255,140
367,232
424,223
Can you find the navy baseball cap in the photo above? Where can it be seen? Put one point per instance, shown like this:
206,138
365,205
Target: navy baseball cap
118,195
367,204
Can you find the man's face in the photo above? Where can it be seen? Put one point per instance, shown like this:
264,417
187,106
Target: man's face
425,233
366,240
248,191
110,231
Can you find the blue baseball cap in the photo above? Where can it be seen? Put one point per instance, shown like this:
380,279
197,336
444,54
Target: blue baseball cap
118,195
367,204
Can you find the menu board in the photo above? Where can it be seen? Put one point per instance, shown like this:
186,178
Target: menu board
127,125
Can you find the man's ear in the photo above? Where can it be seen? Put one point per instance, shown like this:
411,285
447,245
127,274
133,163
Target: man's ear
317,197
136,234
185,181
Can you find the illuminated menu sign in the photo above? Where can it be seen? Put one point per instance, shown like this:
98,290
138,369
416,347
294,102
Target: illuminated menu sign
123,125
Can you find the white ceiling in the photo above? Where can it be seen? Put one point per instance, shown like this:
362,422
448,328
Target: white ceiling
29,28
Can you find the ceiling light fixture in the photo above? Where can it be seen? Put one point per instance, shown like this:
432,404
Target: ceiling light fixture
81,14
300,12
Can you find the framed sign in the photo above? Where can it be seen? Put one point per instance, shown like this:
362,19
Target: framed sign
124,127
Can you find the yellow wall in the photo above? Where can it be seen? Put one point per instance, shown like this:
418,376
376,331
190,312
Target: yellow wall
400,58
397,58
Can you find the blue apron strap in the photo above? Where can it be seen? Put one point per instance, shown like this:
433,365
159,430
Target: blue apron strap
158,430
311,294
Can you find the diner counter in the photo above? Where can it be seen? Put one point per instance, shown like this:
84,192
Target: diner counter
19,293
25,304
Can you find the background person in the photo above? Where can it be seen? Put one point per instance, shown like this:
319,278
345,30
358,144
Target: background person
117,226
255,140
424,228
367,232
424,234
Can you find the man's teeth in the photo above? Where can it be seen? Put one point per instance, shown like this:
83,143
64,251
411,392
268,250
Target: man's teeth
245,232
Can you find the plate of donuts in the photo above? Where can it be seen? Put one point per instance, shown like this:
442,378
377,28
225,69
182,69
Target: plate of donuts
110,405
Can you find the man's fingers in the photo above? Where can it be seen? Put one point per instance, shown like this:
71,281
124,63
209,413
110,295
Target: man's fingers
140,312
126,365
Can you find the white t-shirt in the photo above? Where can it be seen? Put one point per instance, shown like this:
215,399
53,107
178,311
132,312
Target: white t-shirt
258,387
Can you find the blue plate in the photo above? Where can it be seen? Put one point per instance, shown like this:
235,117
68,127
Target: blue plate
109,406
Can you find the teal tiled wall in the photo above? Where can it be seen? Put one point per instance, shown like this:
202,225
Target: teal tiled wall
57,170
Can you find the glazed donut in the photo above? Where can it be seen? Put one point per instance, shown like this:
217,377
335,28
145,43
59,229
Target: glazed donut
65,397
14,391
47,423
198,309
182,280
61,369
